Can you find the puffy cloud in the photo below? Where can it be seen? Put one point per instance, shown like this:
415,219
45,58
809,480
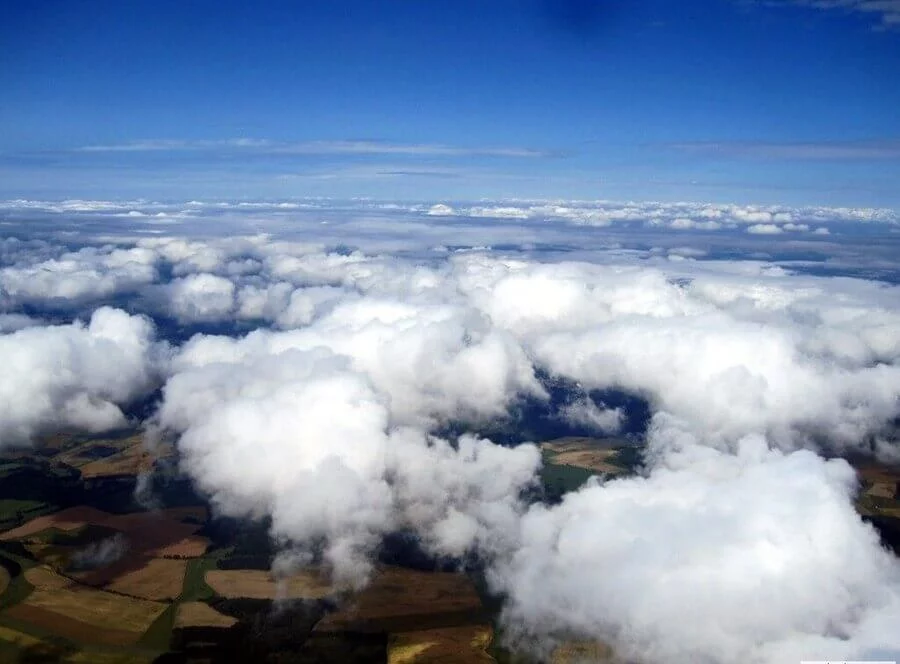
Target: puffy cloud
441,210
793,358
755,557
764,229
201,297
74,375
268,427
13,322
89,273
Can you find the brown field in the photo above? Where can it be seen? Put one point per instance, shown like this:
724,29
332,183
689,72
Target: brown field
461,645
588,453
4,579
881,481
58,599
577,652
132,457
72,518
150,534
159,579
259,584
23,640
71,628
44,578
196,513
198,614
400,600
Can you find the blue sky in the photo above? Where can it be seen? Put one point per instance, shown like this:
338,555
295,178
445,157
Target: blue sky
770,101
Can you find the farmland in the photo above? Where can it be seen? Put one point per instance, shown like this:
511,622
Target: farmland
87,574
260,584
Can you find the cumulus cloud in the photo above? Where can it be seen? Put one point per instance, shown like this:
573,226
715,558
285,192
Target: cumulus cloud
765,229
270,427
755,557
201,297
89,273
74,375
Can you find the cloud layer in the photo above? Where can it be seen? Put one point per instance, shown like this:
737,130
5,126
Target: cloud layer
318,383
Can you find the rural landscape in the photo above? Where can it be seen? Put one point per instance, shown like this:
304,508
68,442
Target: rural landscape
108,555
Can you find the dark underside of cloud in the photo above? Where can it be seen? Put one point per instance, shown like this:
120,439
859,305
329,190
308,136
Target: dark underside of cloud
350,373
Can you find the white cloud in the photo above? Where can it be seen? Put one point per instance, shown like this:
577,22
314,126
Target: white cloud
201,297
757,557
267,146
74,375
88,273
796,227
441,210
764,229
888,11
601,420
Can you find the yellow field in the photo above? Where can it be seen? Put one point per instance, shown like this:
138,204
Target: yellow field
23,641
97,608
44,578
159,579
462,645
198,614
72,610
400,600
68,519
19,638
259,584
584,453
132,457
130,461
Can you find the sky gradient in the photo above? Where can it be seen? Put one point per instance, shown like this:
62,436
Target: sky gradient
794,102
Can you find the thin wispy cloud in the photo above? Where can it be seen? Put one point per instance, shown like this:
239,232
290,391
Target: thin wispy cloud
886,11
824,150
343,147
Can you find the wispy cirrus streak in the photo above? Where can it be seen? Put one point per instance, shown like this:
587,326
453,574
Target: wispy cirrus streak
823,150
342,147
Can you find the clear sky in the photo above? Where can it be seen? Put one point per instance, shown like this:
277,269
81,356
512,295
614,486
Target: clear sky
771,101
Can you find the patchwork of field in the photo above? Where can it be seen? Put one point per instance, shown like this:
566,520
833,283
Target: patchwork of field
64,607
880,490
105,457
260,584
152,534
14,642
594,454
881,481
